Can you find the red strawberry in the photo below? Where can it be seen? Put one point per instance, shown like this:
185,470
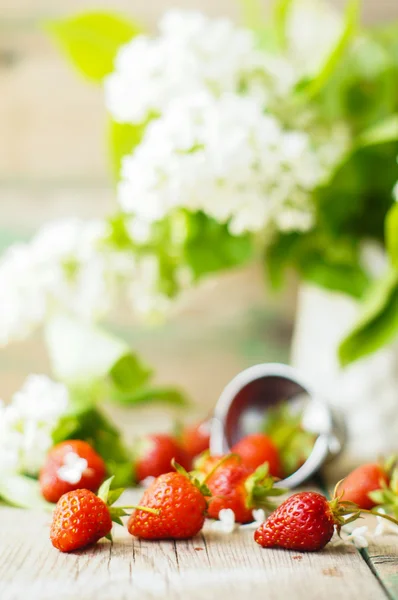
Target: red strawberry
195,438
256,449
306,522
154,453
205,463
357,486
234,486
81,518
181,505
71,465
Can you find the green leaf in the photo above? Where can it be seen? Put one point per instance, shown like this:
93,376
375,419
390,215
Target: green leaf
382,133
129,374
392,234
151,395
319,257
103,491
123,138
210,247
377,324
339,277
91,40
22,491
81,352
350,26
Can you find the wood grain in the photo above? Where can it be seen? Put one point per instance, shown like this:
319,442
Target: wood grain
383,558
210,565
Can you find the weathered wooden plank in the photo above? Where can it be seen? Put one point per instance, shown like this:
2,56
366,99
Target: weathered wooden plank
203,568
383,557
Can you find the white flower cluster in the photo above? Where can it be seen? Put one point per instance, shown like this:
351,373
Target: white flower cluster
60,266
192,53
69,267
226,158
27,424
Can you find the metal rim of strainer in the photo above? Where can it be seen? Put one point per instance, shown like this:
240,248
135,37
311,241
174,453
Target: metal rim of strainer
329,442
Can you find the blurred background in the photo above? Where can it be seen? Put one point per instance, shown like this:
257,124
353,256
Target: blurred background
53,163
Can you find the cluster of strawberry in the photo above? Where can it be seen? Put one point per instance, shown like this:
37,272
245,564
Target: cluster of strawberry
176,503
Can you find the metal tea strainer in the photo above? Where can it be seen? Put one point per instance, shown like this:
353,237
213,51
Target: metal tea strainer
243,405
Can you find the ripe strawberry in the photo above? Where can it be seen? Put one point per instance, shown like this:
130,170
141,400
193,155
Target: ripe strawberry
181,508
357,486
71,465
234,486
205,463
195,439
306,522
154,453
256,449
81,518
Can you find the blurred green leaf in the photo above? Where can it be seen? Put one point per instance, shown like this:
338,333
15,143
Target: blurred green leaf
346,278
22,491
209,247
81,352
350,27
123,138
332,263
377,324
392,234
129,374
91,40
151,395
381,133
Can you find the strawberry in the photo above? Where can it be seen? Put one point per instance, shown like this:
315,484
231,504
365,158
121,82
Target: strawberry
71,465
357,486
181,507
306,522
205,463
81,518
256,449
195,439
234,486
154,453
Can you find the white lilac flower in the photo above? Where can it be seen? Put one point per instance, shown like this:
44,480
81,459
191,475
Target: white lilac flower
27,424
192,53
226,521
225,157
67,266
359,536
72,469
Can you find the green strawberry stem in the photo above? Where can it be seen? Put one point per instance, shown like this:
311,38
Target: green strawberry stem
342,509
382,515
147,509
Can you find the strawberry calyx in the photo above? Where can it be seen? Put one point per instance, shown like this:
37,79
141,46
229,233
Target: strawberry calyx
259,487
344,511
109,497
387,496
200,485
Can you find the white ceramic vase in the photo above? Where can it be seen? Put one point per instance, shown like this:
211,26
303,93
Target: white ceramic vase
366,392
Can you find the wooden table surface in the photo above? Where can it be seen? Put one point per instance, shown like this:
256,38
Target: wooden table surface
211,566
